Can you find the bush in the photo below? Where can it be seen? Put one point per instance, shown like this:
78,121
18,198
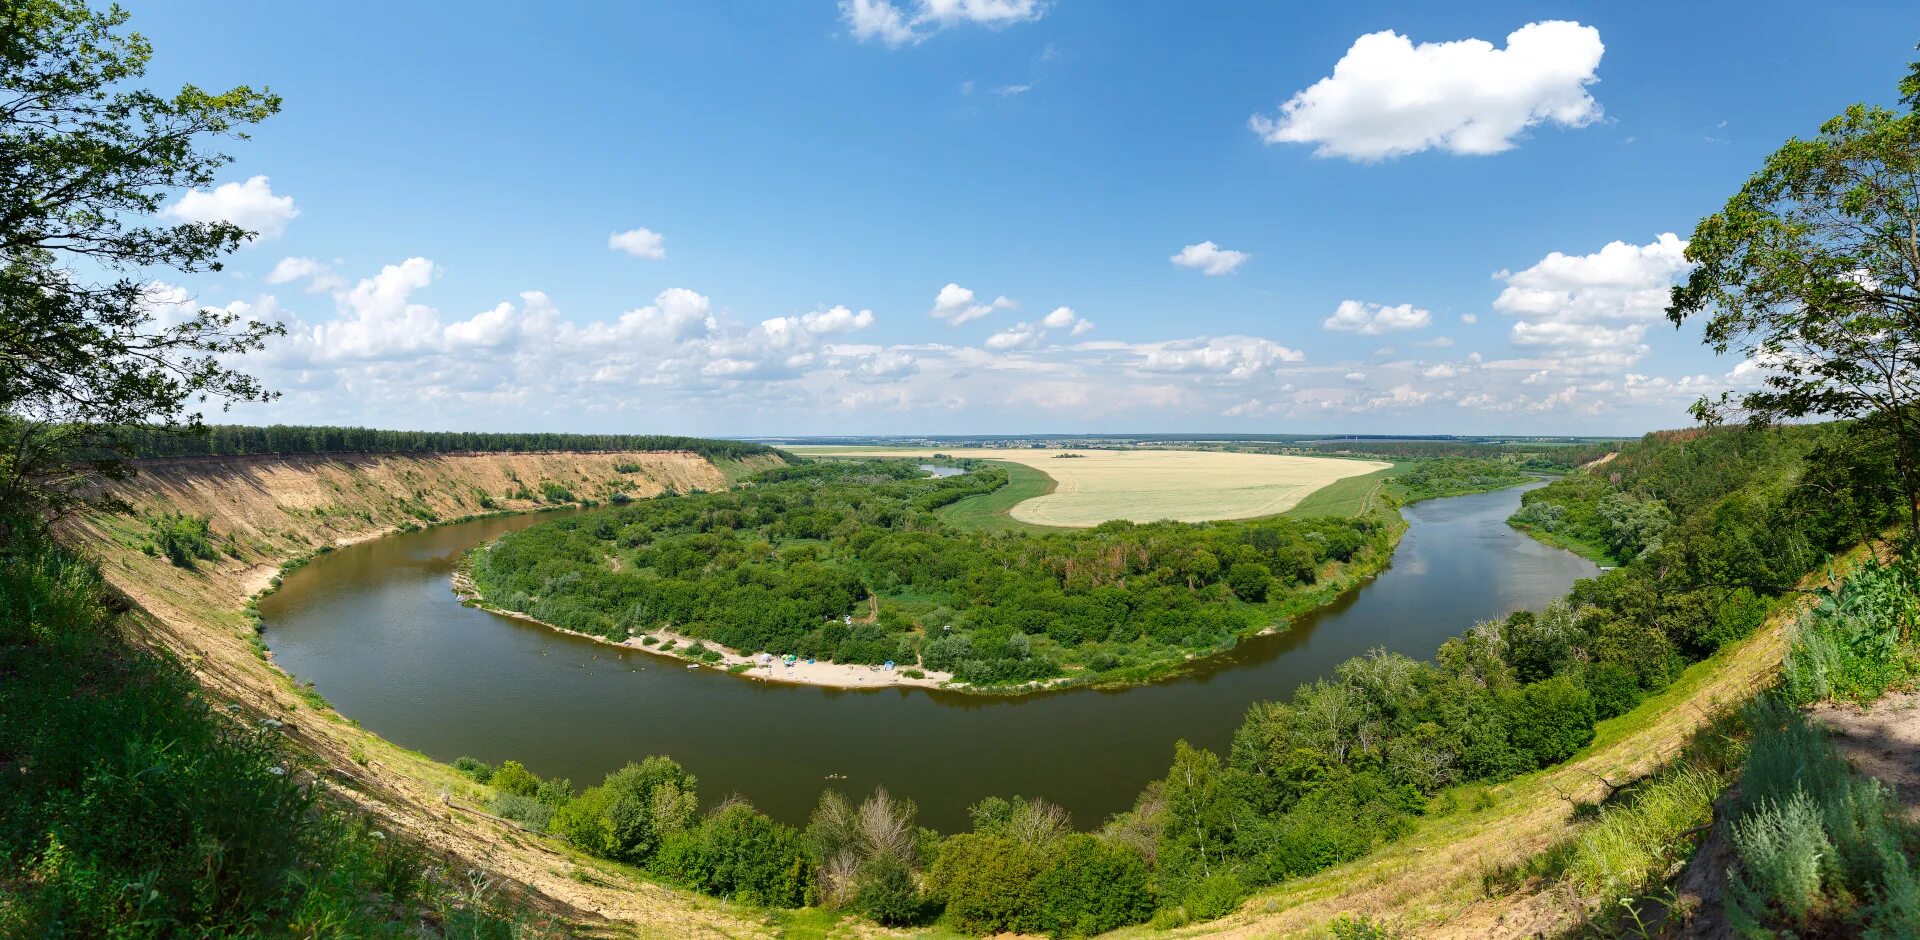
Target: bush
1216,895
510,777
1551,720
886,891
524,810
476,770
184,539
738,852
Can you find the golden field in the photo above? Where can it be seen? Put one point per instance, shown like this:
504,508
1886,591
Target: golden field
1149,485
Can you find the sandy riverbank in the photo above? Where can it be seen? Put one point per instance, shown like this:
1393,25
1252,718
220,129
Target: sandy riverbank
801,672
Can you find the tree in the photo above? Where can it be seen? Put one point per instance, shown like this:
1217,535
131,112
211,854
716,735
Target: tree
1812,270
87,162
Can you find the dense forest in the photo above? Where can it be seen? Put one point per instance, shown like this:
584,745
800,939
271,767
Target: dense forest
1343,765
234,440
781,565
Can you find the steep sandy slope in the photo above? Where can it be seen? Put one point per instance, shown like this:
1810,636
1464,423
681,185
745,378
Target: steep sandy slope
271,510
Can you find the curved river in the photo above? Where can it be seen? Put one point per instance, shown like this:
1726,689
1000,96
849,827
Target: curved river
376,628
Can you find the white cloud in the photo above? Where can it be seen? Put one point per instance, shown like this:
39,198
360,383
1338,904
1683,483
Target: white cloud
1469,319
1063,318
1008,91
1594,307
836,320
250,205
1232,357
890,23
1356,376
954,304
319,277
1209,258
1354,316
640,243
1018,336
1388,97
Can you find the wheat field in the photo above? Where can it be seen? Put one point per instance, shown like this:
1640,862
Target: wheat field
1150,485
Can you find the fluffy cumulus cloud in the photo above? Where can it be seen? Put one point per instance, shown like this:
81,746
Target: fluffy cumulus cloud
911,22
251,205
1596,306
1210,259
1230,357
683,361
836,320
1388,97
640,243
318,275
1355,316
955,305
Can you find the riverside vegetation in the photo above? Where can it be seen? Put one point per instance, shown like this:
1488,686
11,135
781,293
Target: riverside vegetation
1344,765
785,563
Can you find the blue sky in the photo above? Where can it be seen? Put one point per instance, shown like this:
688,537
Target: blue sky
1358,180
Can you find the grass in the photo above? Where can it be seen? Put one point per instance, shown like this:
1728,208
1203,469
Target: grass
135,807
989,511
1350,496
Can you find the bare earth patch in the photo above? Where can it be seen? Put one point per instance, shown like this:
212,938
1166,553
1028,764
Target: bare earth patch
1881,741
1097,486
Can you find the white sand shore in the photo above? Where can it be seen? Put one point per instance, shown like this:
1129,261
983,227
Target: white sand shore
801,672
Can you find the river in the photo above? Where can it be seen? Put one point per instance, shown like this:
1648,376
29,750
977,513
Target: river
376,628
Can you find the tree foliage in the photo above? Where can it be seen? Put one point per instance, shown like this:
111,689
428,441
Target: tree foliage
788,564
1812,271
88,341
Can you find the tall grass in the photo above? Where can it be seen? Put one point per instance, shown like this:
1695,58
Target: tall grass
131,807
1858,641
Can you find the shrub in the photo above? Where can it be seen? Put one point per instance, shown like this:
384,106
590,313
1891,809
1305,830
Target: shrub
474,769
184,539
1216,895
510,777
886,892
1551,719
739,852
525,810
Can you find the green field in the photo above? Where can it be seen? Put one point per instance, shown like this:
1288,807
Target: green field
1352,496
988,512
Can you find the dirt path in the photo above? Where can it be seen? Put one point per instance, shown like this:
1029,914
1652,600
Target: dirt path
1881,741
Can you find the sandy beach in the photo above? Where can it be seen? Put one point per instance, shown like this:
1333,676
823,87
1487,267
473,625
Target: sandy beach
800,672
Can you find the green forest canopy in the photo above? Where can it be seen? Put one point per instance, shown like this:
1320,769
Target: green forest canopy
779,565
234,440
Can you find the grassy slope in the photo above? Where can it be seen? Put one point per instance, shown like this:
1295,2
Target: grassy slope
989,511
1352,496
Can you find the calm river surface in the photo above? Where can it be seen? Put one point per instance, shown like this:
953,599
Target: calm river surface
376,628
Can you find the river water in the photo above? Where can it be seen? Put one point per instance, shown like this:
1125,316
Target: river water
376,628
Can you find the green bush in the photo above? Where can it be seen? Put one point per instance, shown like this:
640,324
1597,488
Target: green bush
738,852
184,539
474,769
1215,895
524,810
511,777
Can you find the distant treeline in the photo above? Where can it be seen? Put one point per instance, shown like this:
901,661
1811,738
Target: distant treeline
236,440
1530,454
